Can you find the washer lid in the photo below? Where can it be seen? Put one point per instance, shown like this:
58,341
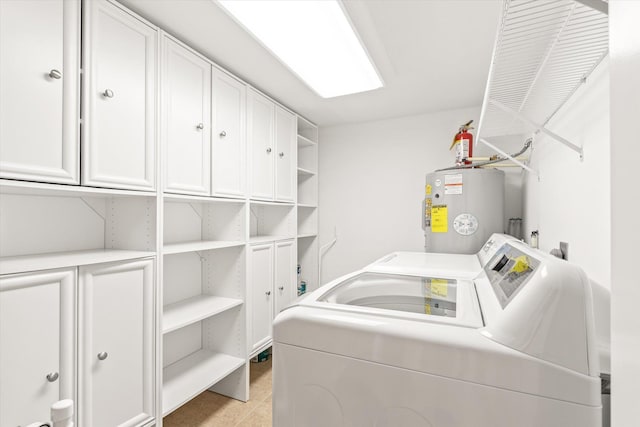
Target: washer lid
429,299
428,264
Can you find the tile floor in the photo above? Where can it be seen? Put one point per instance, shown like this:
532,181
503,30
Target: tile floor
213,410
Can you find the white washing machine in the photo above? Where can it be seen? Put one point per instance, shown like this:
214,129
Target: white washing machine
401,343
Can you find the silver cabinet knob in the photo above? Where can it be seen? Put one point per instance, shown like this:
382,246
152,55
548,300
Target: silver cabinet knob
102,355
52,377
267,293
55,74
281,154
223,134
281,288
108,93
269,150
200,126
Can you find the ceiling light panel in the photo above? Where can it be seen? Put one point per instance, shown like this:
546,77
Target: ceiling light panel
314,38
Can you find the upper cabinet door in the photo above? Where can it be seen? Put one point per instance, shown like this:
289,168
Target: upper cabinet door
187,120
286,154
260,129
36,344
116,344
39,69
229,136
118,140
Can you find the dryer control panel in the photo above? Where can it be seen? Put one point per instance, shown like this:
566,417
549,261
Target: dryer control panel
508,271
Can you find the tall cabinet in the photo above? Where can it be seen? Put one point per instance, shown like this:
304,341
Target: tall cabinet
150,224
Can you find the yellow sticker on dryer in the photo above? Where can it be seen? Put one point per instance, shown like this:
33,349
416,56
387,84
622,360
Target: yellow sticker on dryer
439,219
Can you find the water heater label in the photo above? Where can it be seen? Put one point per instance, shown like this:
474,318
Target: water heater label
453,184
439,219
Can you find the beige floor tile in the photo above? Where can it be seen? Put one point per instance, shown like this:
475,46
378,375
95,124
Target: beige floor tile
261,417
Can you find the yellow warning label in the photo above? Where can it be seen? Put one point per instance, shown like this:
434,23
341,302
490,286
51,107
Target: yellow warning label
521,265
427,189
439,287
439,219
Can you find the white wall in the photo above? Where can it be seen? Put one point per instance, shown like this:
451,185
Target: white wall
372,179
625,197
571,201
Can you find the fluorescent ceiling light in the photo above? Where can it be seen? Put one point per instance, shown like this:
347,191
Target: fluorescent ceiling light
314,38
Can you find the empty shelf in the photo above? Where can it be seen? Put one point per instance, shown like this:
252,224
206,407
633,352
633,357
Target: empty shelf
8,186
264,239
183,313
305,235
178,248
169,197
307,205
24,263
305,172
188,377
303,141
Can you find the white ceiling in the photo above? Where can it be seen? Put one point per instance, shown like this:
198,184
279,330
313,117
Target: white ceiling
432,54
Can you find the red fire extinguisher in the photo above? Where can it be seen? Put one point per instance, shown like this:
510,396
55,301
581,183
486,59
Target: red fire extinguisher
463,142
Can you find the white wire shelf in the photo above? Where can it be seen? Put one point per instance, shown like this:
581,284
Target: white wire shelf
544,51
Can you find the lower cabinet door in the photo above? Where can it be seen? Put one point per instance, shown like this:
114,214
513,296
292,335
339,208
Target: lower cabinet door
260,279
116,344
285,284
36,344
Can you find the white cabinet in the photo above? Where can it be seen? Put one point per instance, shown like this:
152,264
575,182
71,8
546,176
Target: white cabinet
187,120
286,154
39,108
260,131
285,287
116,361
271,281
36,344
229,137
271,131
260,280
119,98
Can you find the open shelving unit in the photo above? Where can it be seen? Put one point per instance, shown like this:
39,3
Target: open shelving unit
203,308
47,226
271,221
307,207
544,51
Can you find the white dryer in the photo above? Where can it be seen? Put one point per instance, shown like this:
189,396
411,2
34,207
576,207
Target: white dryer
400,343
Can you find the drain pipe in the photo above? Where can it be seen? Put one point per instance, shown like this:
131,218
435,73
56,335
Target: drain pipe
323,250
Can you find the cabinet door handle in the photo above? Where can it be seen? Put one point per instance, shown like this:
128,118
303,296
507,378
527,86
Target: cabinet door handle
269,150
52,377
223,134
55,74
281,154
267,293
200,126
281,288
108,93
102,355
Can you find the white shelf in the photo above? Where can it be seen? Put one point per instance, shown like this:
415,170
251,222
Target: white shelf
305,172
265,239
307,235
183,313
188,377
179,248
303,141
8,186
185,198
307,206
543,52
266,203
24,263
